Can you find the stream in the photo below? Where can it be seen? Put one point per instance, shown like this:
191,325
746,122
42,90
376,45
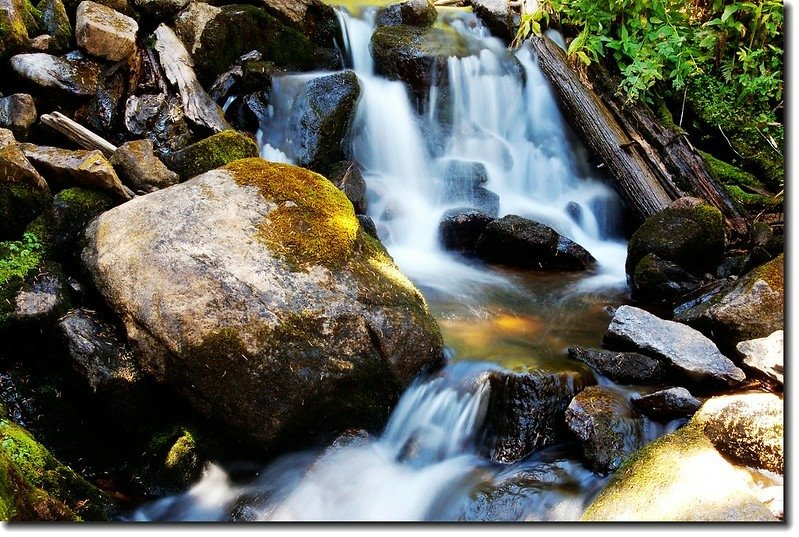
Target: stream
425,465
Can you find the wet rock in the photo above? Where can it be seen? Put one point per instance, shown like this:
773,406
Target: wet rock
321,117
622,367
37,487
416,56
687,351
276,317
607,426
688,235
42,298
137,164
76,168
368,226
517,241
747,427
55,22
459,229
497,16
460,173
151,115
160,9
748,308
679,477
410,12
525,412
657,281
18,114
71,74
765,355
173,461
667,404
104,32
347,175
212,152
24,194
314,18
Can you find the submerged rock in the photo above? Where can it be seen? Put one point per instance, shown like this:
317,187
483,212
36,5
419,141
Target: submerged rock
607,426
460,229
748,308
686,350
667,404
622,367
517,241
765,355
70,74
678,478
17,113
252,293
526,411
104,32
136,163
212,152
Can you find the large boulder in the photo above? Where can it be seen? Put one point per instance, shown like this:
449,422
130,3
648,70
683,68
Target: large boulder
525,411
104,32
765,355
622,367
608,428
688,353
460,229
690,235
678,478
411,12
749,428
71,75
251,292
748,308
517,241
321,117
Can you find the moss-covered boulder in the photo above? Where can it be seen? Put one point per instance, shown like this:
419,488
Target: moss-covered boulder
252,292
657,281
690,235
36,486
212,152
17,26
678,478
748,308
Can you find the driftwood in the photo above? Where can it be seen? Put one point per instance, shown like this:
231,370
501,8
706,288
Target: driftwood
633,177
178,67
650,164
78,133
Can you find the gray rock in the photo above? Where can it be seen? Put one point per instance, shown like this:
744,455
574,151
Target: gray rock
251,293
765,355
71,73
104,32
412,12
607,426
137,164
657,281
687,351
747,427
18,113
517,241
76,168
42,298
465,173
622,367
667,404
526,411
459,229
497,16
321,118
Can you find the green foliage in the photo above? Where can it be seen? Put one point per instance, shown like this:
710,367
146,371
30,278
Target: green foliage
19,257
673,40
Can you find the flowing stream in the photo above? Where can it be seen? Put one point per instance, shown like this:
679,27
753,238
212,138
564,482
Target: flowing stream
496,115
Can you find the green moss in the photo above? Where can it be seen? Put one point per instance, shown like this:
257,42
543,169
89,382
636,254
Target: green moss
173,459
18,259
213,152
84,203
19,204
314,223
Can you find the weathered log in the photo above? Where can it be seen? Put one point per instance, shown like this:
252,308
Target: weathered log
178,67
634,178
78,133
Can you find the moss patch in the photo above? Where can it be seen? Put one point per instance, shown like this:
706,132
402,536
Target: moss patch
744,187
213,152
314,223
19,204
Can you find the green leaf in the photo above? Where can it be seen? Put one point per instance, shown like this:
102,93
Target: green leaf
729,11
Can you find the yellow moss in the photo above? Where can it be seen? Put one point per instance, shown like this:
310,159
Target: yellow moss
314,223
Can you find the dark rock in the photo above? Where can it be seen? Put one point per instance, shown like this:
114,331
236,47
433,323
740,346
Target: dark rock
321,117
517,241
765,355
667,404
687,351
212,152
525,412
459,229
732,266
622,367
497,16
313,18
253,329
160,9
410,12
71,74
692,237
607,426
17,113
348,177
748,308
747,427
173,460
137,164
43,297
151,115
657,281
368,226
24,194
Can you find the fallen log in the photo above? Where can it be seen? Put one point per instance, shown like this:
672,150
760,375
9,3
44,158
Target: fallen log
78,133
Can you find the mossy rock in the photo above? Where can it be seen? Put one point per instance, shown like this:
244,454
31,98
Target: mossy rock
15,20
19,204
744,187
690,237
55,22
174,459
661,282
35,486
213,152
